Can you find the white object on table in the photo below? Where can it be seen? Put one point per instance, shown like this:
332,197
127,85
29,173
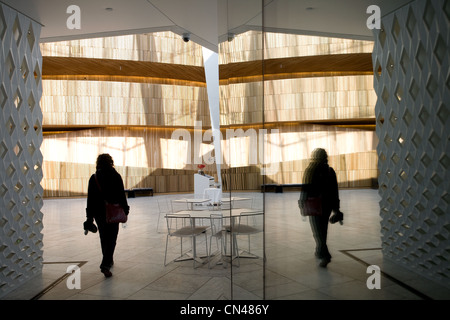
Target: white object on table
202,182
214,194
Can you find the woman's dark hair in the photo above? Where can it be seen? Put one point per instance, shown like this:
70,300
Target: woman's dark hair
104,161
319,155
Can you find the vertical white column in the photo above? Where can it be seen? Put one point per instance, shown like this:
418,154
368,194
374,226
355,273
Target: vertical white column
412,110
20,156
211,63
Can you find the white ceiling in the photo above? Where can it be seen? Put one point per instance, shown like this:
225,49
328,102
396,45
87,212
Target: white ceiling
208,21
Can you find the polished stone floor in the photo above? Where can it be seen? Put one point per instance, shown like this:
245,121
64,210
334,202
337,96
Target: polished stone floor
289,271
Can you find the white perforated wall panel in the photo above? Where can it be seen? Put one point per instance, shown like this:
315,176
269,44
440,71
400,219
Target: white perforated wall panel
20,141
412,82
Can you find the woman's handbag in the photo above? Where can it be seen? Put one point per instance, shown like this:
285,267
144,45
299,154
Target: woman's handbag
114,211
310,206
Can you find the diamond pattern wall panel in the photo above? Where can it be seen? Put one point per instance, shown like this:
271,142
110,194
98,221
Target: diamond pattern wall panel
20,141
412,82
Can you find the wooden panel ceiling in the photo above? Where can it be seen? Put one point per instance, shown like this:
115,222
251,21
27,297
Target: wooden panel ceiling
54,67
298,67
165,73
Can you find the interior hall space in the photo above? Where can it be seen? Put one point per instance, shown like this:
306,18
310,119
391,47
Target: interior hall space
212,111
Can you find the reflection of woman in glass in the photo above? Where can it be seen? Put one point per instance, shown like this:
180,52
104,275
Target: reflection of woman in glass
320,180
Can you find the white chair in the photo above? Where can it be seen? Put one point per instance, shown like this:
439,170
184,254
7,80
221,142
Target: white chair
163,209
217,232
182,226
246,224
257,203
177,205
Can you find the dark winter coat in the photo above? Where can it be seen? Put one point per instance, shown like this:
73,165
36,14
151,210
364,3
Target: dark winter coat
112,190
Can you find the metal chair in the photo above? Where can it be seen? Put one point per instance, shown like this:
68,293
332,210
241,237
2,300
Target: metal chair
248,223
217,232
163,209
177,205
182,226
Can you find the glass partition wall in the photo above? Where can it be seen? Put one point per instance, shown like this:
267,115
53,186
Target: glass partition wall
244,139
281,96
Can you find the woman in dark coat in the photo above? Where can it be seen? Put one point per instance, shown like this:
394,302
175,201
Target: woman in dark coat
320,179
112,190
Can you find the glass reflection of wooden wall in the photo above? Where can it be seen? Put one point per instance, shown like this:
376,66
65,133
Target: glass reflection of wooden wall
135,121
150,158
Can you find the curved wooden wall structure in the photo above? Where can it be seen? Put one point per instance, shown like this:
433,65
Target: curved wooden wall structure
128,95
